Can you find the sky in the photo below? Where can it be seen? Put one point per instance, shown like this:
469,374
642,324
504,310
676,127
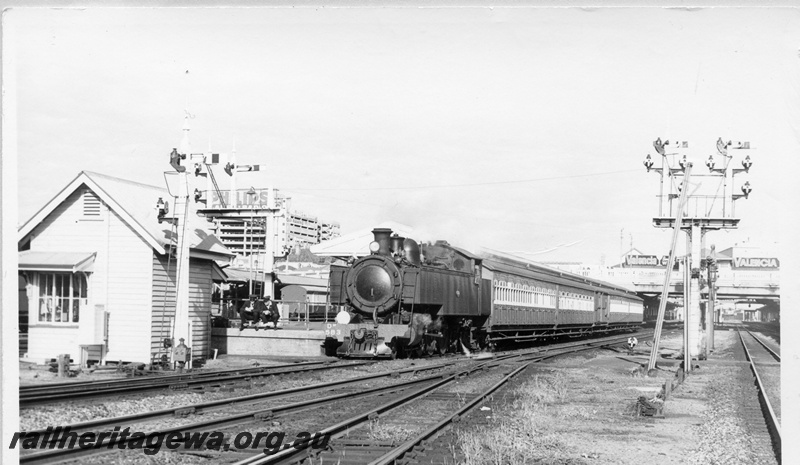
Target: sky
517,129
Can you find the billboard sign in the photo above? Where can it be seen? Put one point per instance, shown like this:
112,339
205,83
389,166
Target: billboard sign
242,199
650,261
756,263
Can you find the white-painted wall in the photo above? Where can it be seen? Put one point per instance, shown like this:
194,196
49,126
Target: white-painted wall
120,283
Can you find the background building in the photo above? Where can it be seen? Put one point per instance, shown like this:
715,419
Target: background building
748,281
242,227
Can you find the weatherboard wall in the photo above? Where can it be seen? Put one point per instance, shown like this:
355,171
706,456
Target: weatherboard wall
163,303
119,282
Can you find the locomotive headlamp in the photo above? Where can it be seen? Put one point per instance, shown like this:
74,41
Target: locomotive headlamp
374,247
343,318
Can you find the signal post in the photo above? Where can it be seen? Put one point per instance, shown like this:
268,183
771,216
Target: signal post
185,207
698,212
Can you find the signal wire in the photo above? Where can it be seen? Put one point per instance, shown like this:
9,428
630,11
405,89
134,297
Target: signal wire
445,186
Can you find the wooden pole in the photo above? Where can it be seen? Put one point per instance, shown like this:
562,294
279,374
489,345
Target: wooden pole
670,263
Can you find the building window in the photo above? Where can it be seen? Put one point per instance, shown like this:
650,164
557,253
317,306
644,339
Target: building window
61,296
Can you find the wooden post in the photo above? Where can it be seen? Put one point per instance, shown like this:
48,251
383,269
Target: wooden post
63,366
670,262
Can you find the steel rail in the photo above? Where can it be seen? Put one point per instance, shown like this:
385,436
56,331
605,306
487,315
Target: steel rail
410,444
110,423
102,447
25,388
37,398
772,352
771,419
343,427
260,415
407,446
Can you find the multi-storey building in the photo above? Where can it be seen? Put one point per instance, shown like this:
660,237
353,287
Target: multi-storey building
243,226
328,231
302,230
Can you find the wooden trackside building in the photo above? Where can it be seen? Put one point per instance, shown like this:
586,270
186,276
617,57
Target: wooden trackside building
100,273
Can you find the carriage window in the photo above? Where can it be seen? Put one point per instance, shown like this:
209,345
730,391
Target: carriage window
61,296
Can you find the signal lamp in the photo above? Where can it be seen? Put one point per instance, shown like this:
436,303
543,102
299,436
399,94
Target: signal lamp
648,162
162,208
746,189
683,162
175,160
710,163
746,163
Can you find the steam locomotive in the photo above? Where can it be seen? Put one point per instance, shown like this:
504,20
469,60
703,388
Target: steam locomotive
409,298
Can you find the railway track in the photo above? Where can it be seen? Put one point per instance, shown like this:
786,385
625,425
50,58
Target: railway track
765,368
421,379
347,449
33,395
257,415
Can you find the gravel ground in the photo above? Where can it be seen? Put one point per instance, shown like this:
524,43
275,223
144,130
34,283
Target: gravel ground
290,425
30,373
581,410
78,411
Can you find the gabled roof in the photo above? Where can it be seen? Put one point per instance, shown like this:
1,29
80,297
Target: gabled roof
357,243
135,203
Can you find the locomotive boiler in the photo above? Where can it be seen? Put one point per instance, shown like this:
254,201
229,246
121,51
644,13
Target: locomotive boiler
410,298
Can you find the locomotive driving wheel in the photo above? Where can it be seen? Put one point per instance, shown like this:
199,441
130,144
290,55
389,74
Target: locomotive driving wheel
436,345
430,347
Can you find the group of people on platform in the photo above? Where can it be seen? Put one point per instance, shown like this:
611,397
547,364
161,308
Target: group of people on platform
259,310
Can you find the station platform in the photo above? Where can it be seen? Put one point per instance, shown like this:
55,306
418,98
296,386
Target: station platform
296,339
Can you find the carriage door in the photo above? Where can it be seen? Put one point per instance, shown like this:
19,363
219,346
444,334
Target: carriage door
600,307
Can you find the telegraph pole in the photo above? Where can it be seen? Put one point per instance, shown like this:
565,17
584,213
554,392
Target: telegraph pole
695,222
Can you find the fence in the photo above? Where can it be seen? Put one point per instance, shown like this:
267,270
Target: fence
290,310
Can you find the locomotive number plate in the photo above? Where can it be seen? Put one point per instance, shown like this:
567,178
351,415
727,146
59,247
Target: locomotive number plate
333,332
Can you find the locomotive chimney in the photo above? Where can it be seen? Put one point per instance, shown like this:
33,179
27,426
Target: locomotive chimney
397,244
382,237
